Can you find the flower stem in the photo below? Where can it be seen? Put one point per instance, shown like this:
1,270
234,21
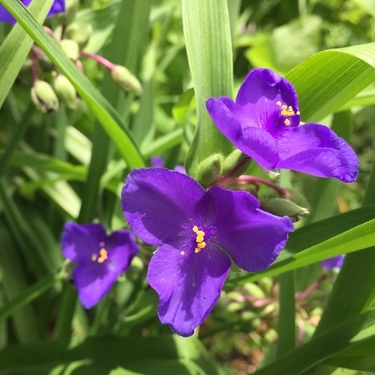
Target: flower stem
101,60
230,174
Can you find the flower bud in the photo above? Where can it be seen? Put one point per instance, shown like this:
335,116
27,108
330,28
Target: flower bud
65,91
71,9
209,170
44,97
80,35
284,207
70,48
46,64
126,80
232,160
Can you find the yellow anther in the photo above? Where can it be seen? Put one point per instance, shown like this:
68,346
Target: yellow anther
290,109
195,228
201,245
278,103
287,122
94,257
197,250
199,238
200,233
103,256
284,107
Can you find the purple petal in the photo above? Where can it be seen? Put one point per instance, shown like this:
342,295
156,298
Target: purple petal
93,278
57,7
335,262
93,281
265,86
253,238
188,285
80,242
156,161
158,203
317,150
245,134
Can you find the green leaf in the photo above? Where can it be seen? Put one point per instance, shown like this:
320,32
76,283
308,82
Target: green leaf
108,117
15,48
209,48
355,331
168,354
329,79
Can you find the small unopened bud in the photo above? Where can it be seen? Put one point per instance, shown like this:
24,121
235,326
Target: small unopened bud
284,207
44,97
80,35
209,170
46,64
126,80
71,9
232,160
65,91
70,48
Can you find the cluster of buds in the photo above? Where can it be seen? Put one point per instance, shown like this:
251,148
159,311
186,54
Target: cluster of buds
50,86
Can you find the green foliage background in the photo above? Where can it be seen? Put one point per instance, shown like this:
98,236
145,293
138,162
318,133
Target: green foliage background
70,165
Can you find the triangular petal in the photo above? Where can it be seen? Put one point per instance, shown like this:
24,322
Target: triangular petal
122,249
188,285
158,202
264,85
79,242
317,150
253,238
245,133
93,281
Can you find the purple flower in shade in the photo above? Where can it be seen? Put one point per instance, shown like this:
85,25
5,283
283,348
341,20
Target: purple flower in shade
198,233
100,258
335,262
264,123
57,7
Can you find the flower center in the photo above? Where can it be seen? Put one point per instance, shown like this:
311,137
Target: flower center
287,111
103,254
199,239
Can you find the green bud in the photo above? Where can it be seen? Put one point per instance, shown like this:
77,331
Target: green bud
70,48
65,91
209,170
284,207
46,64
232,160
81,35
44,97
71,9
126,80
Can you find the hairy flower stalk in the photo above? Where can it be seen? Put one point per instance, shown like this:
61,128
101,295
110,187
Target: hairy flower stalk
199,234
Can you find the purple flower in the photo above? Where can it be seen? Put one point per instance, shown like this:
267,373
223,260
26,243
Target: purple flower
198,233
335,262
100,258
57,7
264,123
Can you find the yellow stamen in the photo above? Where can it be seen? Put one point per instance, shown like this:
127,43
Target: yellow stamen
278,103
103,256
287,122
195,228
200,233
201,245
199,238
197,250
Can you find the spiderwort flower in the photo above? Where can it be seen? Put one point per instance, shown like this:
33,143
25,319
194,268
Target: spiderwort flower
264,123
100,258
198,233
58,6
335,262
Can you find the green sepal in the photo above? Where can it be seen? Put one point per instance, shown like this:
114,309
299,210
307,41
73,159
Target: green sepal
80,34
284,207
44,97
232,160
70,48
65,91
209,170
126,80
